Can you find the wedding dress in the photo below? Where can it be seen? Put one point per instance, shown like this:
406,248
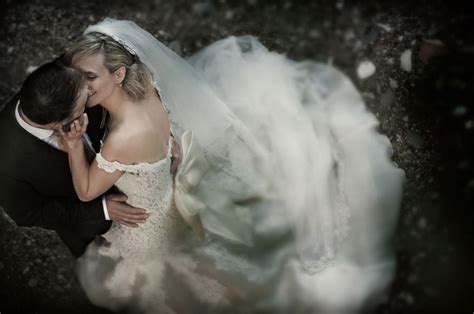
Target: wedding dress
284,168
131,268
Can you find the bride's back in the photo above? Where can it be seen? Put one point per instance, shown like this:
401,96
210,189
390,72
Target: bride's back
143,133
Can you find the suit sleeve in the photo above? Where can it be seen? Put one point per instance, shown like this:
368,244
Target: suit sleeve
28,208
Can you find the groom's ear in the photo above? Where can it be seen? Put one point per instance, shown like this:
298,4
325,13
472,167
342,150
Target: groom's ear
120,74
56,125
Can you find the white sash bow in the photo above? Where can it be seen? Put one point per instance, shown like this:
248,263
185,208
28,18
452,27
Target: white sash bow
192,168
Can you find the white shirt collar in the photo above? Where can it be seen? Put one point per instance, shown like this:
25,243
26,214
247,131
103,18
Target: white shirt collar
39,133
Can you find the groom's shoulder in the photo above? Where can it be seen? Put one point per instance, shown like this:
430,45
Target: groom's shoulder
7,114
7,108
9,128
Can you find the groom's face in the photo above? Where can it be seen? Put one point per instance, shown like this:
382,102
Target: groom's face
79,107
100,82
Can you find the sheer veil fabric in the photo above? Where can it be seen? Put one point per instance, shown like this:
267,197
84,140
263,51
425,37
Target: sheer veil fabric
300,195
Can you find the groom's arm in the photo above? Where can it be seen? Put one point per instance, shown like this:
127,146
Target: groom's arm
29,208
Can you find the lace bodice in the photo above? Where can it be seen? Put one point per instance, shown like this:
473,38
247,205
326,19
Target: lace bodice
148,186
144,183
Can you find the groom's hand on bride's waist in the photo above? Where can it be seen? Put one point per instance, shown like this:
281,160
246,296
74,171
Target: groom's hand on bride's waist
123,213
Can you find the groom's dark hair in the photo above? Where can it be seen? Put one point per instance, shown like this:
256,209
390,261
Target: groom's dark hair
50,92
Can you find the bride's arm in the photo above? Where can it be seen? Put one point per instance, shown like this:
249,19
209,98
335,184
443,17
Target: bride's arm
89,180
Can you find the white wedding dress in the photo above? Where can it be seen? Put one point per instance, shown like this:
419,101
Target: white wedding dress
298,195
137,269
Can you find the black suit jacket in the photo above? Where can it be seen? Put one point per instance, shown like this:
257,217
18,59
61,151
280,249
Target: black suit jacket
36,186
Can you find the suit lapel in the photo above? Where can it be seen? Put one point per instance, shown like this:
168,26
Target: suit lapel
44,165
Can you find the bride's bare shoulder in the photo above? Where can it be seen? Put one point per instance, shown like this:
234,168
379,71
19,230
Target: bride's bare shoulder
124,147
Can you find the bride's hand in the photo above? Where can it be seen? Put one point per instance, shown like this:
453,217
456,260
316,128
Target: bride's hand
73,138
62,142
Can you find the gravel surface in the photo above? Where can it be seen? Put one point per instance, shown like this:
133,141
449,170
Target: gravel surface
412,62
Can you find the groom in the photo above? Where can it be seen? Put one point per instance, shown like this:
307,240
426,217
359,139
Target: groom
35,182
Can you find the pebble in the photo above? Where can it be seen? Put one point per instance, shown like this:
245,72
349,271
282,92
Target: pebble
469,124
32,282
393,83
349,35
314,34
31,68
459,111
422,223
414,139
201,8
229,14
385,27
378,87
387,99
358,45
407,297
405,60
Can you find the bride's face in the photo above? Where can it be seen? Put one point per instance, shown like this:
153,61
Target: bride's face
100,82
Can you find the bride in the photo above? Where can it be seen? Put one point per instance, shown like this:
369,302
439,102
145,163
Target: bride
285,199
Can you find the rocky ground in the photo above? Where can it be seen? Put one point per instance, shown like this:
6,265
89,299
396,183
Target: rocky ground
413,63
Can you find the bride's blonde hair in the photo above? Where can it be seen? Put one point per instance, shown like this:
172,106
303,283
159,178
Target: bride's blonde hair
138,79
